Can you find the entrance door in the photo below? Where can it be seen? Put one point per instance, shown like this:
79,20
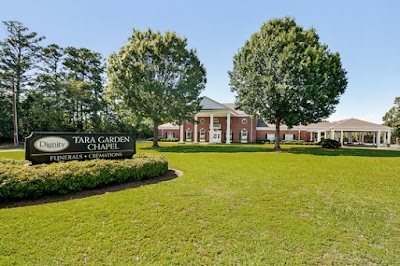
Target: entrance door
217,136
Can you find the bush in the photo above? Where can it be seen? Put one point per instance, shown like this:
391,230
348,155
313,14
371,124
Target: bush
329,144
21,181
164,139
298,142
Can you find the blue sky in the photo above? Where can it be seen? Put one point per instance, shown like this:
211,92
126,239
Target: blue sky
365,33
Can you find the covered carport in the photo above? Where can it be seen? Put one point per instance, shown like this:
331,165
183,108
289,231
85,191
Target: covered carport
336,130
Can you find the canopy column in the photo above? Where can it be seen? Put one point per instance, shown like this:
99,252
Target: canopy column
341,137
378,139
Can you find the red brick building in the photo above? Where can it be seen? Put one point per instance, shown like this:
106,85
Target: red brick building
217,121
226,121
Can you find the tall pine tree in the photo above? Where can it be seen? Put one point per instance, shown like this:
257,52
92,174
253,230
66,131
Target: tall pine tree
18,56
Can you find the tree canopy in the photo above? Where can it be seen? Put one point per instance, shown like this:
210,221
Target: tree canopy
284,75
392,119
18,56
52,88
156,76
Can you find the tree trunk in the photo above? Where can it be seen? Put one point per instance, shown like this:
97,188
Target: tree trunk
155,137
277,135
15,114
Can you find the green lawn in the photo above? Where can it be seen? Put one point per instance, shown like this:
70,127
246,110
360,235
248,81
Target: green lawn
234,205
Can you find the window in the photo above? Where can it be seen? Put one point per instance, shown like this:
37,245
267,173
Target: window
230,134
170,135
202,134
243,136
188,134
289,137
270,137
216,121
244,121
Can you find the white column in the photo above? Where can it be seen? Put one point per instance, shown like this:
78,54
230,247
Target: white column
332,134
362,137
195,130
384,138
319,136
325,135
298,137
378,139
228,128
389,135
211,135
374,139
341,137
181,133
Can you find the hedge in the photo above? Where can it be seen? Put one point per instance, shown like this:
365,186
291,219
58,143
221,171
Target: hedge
164,139
18,180
291,142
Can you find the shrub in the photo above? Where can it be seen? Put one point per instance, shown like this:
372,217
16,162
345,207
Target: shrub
164,139
21,181
329,144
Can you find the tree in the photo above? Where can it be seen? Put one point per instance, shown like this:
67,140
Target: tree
284,75
43,110
157,77
84,88
6,129
18,56
392,118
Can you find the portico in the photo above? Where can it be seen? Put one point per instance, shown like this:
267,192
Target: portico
209,124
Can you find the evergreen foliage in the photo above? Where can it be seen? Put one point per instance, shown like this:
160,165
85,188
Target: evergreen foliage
392,119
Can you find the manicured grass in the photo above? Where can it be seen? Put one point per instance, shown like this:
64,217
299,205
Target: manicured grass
16,155
234,205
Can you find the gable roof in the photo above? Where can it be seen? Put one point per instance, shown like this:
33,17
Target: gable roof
209,104
348,125
232,107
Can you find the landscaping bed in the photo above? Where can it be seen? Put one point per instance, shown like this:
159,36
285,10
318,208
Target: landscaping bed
19,180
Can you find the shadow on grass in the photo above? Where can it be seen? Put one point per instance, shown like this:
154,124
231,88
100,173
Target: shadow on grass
312,150
171,174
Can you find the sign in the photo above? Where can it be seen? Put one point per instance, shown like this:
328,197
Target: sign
48,147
